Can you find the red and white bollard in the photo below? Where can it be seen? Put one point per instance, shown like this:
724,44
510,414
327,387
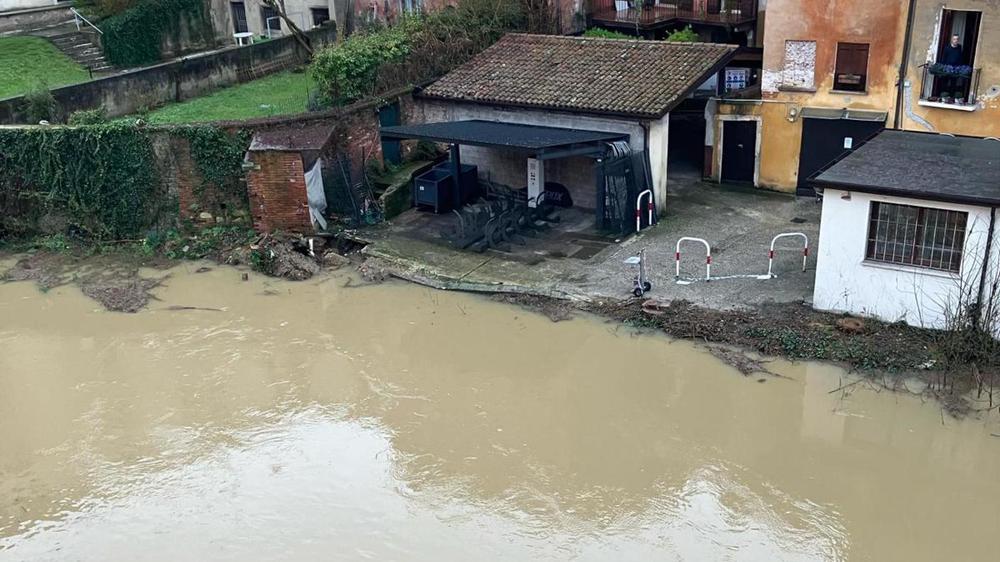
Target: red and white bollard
770,252
708,257
638,209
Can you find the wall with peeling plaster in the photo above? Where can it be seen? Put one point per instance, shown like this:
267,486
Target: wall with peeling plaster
880,23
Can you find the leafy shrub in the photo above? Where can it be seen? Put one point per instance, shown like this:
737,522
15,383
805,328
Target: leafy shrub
605,34
89,117
39,104
134,36
686,35
348,72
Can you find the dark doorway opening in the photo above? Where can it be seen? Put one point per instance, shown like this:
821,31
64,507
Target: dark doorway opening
239,17
739,146
825,140
686,143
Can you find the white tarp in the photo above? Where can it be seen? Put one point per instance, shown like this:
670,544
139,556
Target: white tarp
316,195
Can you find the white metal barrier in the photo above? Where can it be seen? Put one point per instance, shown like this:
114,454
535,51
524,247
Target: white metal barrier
638,209
708,257
770,253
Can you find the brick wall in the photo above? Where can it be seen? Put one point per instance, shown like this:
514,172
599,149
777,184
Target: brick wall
277,192
183,183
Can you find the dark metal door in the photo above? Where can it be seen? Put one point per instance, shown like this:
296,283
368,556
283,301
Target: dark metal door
239,17
739,144
825,140
388,116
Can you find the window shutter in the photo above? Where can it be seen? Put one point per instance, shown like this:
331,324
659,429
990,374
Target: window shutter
852,58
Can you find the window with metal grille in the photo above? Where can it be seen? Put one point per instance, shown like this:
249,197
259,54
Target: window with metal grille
269,17
852,67
917,236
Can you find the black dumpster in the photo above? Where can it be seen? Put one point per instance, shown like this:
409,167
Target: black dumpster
434,187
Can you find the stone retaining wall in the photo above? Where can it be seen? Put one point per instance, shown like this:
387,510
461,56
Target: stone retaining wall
178,80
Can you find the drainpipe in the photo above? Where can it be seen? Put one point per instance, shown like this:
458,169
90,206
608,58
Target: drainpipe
986,265
904,65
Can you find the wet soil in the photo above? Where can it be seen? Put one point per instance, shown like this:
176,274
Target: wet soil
890,355
110,279
111,275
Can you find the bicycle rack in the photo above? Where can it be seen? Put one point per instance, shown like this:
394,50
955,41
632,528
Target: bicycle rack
770,253
708,257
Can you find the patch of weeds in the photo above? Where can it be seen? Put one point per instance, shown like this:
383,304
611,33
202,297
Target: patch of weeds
262,260
56,243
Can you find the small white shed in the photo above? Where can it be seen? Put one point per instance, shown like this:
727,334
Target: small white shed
908,230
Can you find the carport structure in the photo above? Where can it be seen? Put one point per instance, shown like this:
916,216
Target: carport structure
536,144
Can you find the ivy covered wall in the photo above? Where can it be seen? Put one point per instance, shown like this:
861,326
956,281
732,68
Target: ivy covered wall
140,35
116,181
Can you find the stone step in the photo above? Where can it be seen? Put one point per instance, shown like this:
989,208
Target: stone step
80,46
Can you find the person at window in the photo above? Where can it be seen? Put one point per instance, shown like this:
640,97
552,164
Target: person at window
952,55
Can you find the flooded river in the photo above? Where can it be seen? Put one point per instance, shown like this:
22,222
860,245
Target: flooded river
311,421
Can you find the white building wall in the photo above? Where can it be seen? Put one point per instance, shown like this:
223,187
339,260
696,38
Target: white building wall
845,282
11,5
577,174
299,11
659,138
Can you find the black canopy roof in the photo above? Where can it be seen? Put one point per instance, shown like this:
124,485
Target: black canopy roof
923,166
529,138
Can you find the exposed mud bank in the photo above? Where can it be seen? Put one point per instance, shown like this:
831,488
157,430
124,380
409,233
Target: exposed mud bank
892,356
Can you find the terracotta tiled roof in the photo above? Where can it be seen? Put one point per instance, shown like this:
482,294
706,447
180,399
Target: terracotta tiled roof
628,77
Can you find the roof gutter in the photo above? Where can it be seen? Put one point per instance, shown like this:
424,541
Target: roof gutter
563,110
904,66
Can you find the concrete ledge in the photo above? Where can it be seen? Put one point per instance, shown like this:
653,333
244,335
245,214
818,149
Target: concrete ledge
422,273
23,21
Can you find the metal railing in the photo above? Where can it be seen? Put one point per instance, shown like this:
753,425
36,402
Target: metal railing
653,12
78,17
951,89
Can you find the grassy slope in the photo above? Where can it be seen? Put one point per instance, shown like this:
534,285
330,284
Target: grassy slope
23,60
285,92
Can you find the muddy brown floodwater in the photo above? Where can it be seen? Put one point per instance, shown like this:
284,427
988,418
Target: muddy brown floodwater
315,422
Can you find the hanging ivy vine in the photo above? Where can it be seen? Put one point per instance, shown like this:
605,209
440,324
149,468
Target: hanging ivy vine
134,37
100,180
218,157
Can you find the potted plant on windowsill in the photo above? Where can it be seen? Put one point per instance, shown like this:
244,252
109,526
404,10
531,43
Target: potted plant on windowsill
950,70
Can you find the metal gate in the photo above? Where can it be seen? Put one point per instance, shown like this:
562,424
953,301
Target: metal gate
621,176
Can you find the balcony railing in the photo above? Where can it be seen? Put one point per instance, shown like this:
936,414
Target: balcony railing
620,13
957,89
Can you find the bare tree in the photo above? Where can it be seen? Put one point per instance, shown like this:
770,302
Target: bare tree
279,7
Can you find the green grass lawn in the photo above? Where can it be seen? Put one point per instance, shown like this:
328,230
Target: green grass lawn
284,93
25,60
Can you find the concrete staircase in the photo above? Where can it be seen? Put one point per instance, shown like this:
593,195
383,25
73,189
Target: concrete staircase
81,46
84,48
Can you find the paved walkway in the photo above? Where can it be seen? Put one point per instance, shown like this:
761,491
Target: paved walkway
738,222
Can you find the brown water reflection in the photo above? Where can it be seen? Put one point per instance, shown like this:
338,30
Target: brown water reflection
312,422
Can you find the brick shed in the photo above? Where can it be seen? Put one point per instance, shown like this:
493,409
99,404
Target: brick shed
279,159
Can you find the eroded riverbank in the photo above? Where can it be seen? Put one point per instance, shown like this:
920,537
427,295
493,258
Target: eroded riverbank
309,421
